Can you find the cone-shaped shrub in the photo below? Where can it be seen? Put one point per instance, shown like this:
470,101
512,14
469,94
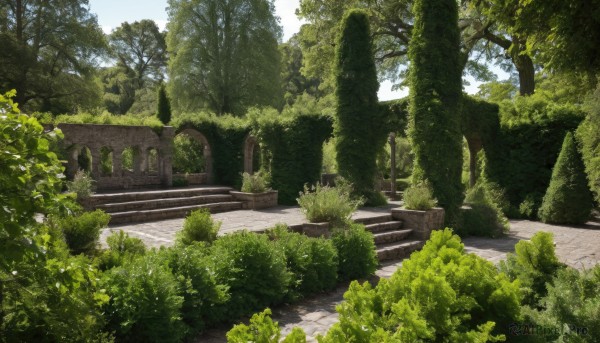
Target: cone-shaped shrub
164,105
568,199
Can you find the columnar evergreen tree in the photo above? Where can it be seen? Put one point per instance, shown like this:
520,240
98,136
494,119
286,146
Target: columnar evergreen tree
568,199
357,126
435,93
164,105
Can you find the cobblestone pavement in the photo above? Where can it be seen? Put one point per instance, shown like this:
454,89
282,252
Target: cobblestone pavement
578,247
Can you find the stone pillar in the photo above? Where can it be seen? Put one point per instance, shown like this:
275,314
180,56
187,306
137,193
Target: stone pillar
210,178
117,162
72,164
392,141
96,158
137,161
165,156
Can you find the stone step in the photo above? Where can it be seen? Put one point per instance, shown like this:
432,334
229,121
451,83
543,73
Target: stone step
164,203
373,220
398,250
130,196
169,213
391,236
385,226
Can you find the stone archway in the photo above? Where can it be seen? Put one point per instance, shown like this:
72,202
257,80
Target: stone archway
249,146
207,153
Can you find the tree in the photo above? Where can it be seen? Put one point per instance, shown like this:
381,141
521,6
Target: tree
49,52
435,95
568,199
358,126
294,83
164,106
224,55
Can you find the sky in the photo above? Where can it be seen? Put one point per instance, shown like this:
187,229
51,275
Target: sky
111,13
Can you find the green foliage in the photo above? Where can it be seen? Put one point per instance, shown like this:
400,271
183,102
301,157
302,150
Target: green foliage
253,268
191,267
227,57
121,249
198,227
435,98
144,301
523,153
82,232
262,329
295,140
313,262
534,264
188,155
163,107
419,197
226,136
82,185
328,204
440,294
254,183
107,118
587,134
356,252
485,216
568,199
358,127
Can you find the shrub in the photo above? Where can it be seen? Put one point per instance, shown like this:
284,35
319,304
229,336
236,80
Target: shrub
82,185
253,268
197,284
568,199
83,232
144,303
587,134
419,197
262,329
440,293
484,217
328,204
121,248
534,264
254,183
356,252
358,128
198,227
163,107
313,262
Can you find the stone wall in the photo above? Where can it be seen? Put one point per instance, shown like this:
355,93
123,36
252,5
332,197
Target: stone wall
152,154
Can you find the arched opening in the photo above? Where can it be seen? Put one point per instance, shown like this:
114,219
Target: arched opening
188,155
152,161
252,155
84,160
130,159
106,161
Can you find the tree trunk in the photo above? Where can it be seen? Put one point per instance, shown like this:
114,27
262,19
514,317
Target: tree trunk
526,71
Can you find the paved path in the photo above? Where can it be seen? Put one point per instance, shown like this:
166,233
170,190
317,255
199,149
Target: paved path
578,247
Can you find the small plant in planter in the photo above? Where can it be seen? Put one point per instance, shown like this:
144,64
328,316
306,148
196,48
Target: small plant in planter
255,192
420,213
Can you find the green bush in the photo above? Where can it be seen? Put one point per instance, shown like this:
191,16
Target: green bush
534,264
144,302
82,232
253,268
587,134
419,197
328,204
440,294
201,292
254,183
568,199
198,227
121,248
82,185
262,329
359,126
313,262
356,252
484,217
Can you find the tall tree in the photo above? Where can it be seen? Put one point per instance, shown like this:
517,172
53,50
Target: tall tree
358,124
224,55
294,83
435,95
49,52
163,107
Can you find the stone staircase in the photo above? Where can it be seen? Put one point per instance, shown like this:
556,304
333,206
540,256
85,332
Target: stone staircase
392,240
151,205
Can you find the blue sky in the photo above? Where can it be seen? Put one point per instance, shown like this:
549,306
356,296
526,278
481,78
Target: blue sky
111,13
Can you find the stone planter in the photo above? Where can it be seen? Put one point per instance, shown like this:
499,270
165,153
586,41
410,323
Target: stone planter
256,201
316,229
421,222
